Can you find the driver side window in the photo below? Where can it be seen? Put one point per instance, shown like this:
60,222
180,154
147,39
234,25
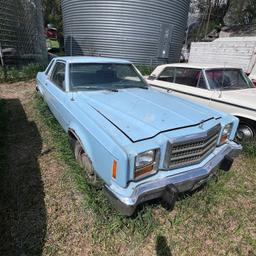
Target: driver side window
58,75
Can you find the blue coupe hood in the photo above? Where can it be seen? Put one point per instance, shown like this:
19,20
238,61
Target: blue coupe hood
142,114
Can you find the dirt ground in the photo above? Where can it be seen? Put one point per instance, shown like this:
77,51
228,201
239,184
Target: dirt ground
33,203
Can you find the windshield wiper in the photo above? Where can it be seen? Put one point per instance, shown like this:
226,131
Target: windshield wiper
111,89
93,88
143,87
131,86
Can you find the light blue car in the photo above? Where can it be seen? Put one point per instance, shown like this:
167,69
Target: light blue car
144,144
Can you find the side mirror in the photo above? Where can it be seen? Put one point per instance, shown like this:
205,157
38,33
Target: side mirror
152,77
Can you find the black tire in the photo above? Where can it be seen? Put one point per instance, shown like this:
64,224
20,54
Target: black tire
85,163
39,94
72,142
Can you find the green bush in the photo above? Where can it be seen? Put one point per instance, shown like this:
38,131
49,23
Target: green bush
145,70
14,74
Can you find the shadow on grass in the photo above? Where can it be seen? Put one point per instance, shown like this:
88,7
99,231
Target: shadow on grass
162,248
22,208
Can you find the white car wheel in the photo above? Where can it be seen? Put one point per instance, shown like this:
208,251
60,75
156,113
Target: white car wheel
245,132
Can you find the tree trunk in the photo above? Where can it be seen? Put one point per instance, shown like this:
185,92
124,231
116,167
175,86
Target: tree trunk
209,17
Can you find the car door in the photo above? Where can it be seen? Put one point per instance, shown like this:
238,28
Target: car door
55,93
188,83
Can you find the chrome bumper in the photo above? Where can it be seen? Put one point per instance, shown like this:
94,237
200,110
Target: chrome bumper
185,181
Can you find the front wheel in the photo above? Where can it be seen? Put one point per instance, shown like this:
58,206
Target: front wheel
84,161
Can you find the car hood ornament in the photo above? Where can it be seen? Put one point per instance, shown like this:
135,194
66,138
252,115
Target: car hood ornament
201,125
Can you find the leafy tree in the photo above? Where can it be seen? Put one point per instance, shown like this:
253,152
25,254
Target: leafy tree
52,12
216,13
212,15
241,12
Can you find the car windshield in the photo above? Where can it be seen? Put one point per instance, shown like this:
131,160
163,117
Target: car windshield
104,76
228,79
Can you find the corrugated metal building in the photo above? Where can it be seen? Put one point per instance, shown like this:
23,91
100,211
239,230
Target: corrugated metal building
21,29
145,32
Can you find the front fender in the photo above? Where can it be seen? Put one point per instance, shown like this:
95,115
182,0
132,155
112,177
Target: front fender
102,151
39,83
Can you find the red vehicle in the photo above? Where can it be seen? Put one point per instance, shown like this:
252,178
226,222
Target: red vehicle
52,42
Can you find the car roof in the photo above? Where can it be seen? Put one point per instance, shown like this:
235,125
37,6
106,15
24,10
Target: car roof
198,65
89,59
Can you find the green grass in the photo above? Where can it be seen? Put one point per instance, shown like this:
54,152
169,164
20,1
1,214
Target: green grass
217,219
14,74
249,148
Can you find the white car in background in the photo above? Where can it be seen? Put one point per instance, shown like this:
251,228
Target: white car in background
225,88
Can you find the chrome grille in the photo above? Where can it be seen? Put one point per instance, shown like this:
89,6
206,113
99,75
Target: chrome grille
193,151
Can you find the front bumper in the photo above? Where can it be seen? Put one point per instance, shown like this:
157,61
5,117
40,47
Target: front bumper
181,182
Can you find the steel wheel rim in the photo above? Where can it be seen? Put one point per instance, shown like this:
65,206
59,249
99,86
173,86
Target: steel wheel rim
245,132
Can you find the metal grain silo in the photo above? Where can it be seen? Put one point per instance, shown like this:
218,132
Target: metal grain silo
145,32
21,29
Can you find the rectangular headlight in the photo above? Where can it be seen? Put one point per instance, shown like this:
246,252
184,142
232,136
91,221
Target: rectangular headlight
146,163
226,133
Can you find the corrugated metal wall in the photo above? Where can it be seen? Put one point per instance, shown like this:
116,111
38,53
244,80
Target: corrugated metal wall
145,32
21,28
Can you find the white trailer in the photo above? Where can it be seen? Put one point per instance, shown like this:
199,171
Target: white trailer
239,52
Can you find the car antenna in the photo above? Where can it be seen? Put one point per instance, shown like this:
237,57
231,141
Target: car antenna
72,93
72,96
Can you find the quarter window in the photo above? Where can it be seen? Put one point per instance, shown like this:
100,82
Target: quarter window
58,75
187,76
167,75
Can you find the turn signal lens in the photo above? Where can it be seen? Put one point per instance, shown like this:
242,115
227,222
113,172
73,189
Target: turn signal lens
144,170
223,138
114,169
